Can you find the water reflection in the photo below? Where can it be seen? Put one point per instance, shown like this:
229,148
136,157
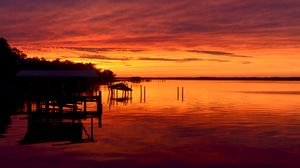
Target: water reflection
274,92
8,106
219,124
215,124
5,121
53,127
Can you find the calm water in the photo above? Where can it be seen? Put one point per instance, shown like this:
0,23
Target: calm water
215,124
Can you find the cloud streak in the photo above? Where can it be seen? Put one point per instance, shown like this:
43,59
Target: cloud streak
103,57
96,50
161,59
218,53
169,59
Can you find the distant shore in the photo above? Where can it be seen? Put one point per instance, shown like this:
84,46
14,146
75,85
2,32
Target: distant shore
214,78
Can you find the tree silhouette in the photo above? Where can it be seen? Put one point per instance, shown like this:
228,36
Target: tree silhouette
10,59
13,60
107,75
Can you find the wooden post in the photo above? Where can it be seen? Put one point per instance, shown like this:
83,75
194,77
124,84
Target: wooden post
108,96
99,106
29,107
144,94
47,106
177,93
74,106
60,104
182,94
99,103
131,91
38,106
141,93
84,105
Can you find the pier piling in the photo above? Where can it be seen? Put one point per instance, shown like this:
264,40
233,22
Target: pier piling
144,94
182,93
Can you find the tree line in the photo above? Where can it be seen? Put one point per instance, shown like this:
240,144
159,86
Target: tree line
12,60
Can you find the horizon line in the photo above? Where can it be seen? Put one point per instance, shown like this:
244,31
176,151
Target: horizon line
211,78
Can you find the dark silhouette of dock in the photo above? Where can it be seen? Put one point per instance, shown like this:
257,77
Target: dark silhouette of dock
59,118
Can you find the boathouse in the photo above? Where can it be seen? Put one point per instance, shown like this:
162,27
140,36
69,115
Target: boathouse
56,81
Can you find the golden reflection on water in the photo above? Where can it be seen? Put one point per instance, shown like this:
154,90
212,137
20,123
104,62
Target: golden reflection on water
214,116
217,123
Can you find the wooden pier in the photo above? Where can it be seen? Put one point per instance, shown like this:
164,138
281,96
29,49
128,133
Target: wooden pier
58,118
61,104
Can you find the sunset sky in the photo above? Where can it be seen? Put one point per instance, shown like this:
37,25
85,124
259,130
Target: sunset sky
160,37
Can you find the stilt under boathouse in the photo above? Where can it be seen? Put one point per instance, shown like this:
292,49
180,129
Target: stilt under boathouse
126,91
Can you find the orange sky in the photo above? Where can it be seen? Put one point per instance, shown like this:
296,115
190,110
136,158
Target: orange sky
161,37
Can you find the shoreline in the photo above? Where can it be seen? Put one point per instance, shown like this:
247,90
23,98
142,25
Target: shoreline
211,78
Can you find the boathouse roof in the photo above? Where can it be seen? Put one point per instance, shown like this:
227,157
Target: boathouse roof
120,86
58,73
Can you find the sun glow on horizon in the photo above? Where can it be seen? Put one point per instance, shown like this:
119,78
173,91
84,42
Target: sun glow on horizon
171,62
